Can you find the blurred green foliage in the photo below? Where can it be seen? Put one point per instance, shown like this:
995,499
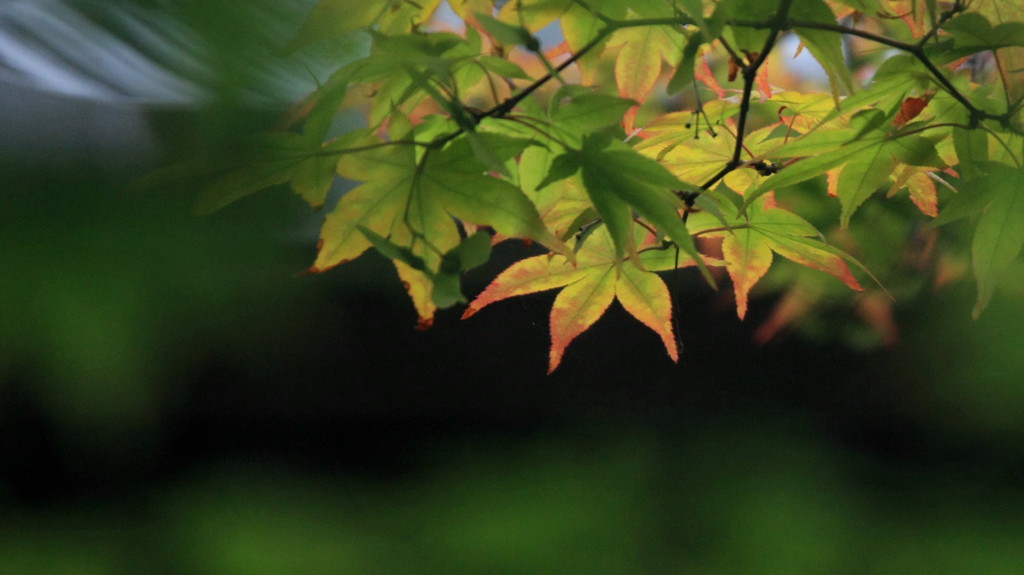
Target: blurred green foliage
734,498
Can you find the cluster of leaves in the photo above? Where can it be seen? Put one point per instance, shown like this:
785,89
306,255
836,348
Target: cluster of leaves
479,135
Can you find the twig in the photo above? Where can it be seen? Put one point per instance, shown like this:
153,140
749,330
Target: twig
721,229
776,24
917,51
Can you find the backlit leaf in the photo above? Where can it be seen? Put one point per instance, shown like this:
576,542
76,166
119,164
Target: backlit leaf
1010,59
639,62
1000,235
469,134
744,39
576,308
687,146
811,167
580,26
825,46
861,177
747,258
502,67
686,69
921,188
412,203
589,112
273,159
508,34
619,180
589,287
747,250
973,32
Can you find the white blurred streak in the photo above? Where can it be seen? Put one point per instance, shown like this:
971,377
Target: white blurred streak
46,44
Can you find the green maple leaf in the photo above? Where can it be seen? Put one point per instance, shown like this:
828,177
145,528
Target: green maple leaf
304,161
1000,234
619,181
825,46
599,277
866,156
415,203
333,18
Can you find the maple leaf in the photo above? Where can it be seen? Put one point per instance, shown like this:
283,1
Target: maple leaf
999,237
802,113
303,161
412,202
582,25
747,248
910,109
559,203
690,153
859,157
702,72
921,188
620,182
638,64
589,287
680,142
824,46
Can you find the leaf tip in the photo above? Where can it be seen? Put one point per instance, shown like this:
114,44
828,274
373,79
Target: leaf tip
552,366
424,323
979,306
554,359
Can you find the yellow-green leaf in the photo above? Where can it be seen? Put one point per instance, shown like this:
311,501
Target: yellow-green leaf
589,287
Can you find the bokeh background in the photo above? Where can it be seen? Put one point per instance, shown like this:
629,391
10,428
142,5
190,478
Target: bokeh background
176,398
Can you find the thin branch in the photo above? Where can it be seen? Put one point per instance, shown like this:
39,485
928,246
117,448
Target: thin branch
511,102
720,229
593,12
646,226
528,122
917,51
728,48
611,27
506,106
776,25
795,23
946,16
657,248
417,176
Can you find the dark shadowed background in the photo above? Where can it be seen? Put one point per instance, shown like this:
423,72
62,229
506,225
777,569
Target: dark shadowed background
176,398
